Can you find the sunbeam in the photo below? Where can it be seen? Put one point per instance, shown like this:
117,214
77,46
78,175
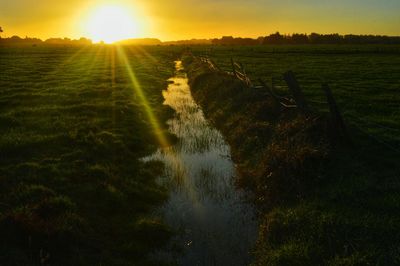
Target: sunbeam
142,97
64,63
141,50
111,60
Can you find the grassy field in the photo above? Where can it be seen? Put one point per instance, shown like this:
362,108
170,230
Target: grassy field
74,123
341,208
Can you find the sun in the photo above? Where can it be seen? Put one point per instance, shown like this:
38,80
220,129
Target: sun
111,23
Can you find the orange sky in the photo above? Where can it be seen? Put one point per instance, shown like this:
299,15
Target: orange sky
185,19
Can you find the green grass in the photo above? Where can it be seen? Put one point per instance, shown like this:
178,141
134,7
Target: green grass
73,190
322,202
72,130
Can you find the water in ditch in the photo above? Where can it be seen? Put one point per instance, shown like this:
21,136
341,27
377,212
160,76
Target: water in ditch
214,223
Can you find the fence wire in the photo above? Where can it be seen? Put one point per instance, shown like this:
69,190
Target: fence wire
368,124
363,121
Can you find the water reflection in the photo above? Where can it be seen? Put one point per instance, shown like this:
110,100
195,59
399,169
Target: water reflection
215,225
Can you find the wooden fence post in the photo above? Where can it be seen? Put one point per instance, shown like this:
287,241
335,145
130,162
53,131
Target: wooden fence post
270,92
233,67
272,82
294,87
215,65
337,119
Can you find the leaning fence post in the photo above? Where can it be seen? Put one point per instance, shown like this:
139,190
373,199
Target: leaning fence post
233,67
270,92
215,65
337,118
272,82
294,87
248,81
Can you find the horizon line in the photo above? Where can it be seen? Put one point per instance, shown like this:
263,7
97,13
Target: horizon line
191,39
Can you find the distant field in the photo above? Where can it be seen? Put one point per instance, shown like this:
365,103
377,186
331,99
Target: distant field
365,79
72,129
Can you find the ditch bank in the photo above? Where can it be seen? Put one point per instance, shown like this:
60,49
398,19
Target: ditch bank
279,152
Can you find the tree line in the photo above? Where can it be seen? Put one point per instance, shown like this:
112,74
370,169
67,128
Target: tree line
313,38
272,39
15,40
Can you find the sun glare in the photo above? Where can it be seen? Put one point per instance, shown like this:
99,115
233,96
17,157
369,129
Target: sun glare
111,24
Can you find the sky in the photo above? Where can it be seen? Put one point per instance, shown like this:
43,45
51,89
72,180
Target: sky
186,19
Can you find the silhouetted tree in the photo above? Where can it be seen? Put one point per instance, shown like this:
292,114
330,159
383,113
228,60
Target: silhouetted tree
275,38
299,38
16,38
227,40
68,41
314,38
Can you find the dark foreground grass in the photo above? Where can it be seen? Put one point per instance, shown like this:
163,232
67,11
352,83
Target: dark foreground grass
72,130
323,202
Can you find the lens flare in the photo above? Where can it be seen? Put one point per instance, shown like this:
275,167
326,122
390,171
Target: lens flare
111,23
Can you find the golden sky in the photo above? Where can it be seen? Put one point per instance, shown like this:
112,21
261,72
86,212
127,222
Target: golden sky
185,19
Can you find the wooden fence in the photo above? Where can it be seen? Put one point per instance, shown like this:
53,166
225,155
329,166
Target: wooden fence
298,100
